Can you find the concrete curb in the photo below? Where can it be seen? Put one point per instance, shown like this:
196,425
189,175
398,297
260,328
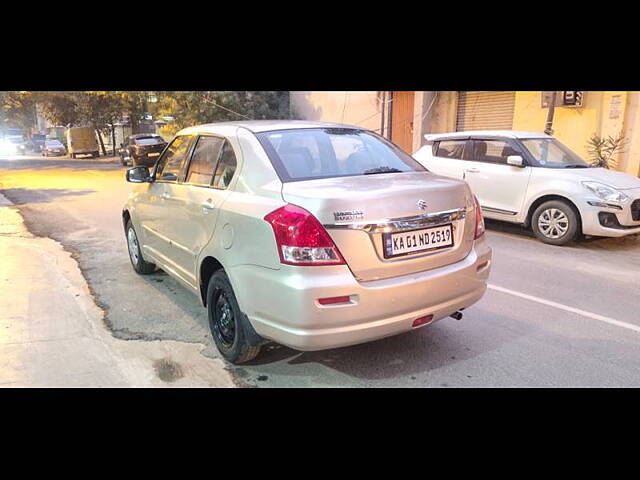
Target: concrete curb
4,201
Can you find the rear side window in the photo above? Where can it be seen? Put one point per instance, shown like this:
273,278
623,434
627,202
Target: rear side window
170,166
307,154
203,161
492,151
227,165
451,149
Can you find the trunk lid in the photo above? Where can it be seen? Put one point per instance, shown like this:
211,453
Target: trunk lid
359,213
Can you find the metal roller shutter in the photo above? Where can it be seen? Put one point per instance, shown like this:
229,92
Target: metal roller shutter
485,110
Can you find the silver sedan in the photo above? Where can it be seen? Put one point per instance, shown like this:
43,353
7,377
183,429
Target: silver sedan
311,235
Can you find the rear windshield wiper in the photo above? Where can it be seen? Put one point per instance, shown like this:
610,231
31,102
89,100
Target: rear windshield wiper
576,165
373,171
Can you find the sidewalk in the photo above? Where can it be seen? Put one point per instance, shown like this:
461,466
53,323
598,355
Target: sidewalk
52,332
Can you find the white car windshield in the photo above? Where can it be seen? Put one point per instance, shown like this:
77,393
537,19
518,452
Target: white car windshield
306,154
550,153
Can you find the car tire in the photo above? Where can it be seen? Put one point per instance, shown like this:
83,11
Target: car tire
227,322
138,262
556,222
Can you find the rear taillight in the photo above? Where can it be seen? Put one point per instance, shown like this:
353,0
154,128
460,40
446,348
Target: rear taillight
301,239
479,220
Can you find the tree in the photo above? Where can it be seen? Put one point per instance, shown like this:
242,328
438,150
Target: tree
101,110
60,108
192,108
134,104
18,110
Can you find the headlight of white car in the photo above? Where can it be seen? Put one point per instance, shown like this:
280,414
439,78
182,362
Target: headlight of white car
606,193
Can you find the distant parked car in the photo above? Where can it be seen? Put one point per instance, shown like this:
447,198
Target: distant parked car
53,148
82,141
142,149
534,180
37,142
13,145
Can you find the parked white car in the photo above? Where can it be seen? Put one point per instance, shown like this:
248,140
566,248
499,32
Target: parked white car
309,234
534,180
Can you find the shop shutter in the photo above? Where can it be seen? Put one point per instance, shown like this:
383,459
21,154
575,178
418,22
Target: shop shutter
485,111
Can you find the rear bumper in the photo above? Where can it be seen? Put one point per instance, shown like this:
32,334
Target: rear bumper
282,304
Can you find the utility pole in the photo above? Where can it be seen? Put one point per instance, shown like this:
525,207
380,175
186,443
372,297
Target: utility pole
548,126
382,106
390,115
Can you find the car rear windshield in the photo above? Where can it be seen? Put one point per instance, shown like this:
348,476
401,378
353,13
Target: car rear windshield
149,140
312,153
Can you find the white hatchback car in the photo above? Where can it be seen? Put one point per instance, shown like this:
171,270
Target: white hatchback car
534,180
309,234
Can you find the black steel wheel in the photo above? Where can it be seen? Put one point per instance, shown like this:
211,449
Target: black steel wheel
227,322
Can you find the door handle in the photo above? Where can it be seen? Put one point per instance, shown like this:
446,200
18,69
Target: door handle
472,170
165,196
207,206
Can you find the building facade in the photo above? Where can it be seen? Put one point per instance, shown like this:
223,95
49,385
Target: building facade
406,117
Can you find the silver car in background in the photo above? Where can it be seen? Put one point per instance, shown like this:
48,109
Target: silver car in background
311,235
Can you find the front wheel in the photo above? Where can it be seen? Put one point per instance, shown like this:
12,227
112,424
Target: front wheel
135,254
556,223
227,322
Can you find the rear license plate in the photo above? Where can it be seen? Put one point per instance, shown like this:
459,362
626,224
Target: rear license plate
416,241
153,154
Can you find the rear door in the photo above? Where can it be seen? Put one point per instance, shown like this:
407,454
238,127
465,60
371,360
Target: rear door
448,157
500,188
211,169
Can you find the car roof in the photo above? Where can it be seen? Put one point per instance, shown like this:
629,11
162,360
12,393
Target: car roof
485,133
257,126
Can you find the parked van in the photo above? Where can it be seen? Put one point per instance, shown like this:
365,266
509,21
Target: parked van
82,141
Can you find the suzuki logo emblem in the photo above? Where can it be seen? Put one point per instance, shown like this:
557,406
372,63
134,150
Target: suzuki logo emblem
422,204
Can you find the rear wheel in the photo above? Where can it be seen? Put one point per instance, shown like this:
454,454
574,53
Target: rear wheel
227,322
135,254
556,223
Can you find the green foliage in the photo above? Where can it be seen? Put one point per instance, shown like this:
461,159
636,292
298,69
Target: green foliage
60,108
18,109
193,108
101,109
602,150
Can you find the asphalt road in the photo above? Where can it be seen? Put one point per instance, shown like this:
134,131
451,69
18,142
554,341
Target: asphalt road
553,316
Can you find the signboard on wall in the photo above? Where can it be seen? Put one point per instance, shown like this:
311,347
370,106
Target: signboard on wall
615,107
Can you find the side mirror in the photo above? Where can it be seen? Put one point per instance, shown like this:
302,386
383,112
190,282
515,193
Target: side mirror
139,175
515,161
